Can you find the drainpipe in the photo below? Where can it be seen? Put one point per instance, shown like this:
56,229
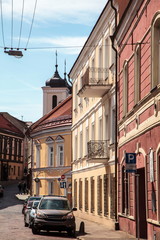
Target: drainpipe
116,121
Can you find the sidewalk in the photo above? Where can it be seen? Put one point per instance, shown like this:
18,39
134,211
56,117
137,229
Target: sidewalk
22,197
87,230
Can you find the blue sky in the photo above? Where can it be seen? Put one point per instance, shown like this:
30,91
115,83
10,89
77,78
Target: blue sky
58,24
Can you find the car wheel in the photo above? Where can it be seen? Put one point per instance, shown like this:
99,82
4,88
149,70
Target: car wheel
72,232
35,230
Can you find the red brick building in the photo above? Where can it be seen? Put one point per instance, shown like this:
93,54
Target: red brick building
137,39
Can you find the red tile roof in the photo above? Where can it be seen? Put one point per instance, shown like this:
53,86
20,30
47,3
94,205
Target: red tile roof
8,127
61,115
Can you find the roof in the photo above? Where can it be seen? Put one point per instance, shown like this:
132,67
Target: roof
11,125
60,116
57,82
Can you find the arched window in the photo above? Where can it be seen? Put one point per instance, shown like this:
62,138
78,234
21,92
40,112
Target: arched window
156,50
54,101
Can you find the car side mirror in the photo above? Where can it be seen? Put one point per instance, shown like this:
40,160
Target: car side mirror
74,209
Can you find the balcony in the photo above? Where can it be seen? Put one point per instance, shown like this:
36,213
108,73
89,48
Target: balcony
95,82
98,151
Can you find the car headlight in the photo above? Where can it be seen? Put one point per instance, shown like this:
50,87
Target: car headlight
68,216
41,215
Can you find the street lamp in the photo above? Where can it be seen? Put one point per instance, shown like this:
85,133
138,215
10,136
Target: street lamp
15,53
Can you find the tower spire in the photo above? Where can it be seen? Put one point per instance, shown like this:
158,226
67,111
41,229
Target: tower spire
65,69
56,62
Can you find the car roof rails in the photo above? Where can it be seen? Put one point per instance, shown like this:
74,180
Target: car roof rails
51,195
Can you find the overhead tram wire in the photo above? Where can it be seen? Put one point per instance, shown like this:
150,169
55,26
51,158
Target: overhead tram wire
21,25
12,25
67,47
31,25
2,24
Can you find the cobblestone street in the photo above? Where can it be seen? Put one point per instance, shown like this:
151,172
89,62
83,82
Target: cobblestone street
11,219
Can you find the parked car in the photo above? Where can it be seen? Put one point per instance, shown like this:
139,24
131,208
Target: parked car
29,213
1,191
30,198
53,213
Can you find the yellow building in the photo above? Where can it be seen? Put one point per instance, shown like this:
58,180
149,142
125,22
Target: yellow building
51,169
93,124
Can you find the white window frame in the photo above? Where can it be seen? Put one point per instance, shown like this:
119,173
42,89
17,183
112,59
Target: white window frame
38,156
155,46
51,187
59,145
50,155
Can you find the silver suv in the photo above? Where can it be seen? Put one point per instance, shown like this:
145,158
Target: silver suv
53,213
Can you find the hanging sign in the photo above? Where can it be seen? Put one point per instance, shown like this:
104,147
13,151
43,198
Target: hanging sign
130,159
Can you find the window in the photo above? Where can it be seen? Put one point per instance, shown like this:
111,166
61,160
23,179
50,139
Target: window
75,96
50,142
81,145
87,140
50,155
125,88
14,170
50,188
100,73
107,53
93,131
75,149
113,126
156,50
100,129
37,156
54,101
60,154
18,171
137,68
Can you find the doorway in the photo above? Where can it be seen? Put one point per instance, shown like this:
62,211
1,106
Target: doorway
142,226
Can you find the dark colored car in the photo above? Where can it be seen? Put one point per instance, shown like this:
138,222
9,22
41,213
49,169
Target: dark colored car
53,213
1,191
31,198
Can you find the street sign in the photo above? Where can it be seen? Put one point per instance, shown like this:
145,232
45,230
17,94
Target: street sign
130,162
62,184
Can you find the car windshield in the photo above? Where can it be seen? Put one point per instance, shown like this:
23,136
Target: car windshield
56,204
30,203
34,198
35,203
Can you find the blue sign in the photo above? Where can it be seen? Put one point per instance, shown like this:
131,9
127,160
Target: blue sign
130,162
62,184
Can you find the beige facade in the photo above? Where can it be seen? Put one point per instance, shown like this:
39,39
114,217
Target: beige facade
51,156
93,124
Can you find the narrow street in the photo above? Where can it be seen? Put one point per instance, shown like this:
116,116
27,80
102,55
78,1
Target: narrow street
11,219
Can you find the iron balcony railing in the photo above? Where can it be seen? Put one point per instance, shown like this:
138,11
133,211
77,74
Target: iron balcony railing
98,149
95,76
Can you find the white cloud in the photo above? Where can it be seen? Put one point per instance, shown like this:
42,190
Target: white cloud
74,11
